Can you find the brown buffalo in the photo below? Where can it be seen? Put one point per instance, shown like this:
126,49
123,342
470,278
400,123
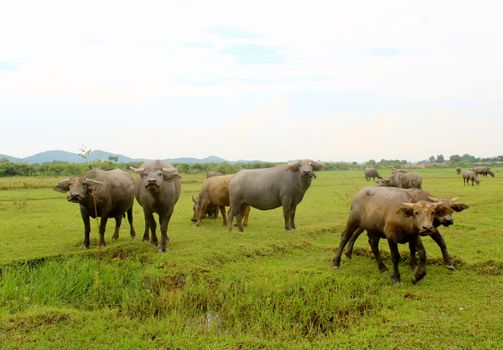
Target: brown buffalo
104,194
213,212
157,191
443,216
214,194
383,214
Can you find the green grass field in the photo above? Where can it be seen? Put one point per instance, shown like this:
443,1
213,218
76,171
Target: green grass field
262,289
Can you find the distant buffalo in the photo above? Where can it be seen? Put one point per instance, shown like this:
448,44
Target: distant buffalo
104,194
470,175
264,189
483,170
157,190
458,171
402,180
371,173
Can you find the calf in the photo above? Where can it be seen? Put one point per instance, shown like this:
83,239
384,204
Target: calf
214,195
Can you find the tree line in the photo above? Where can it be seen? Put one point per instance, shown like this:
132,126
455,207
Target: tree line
8,168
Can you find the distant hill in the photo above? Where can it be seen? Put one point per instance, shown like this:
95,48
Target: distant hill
210,159
9,158
64,156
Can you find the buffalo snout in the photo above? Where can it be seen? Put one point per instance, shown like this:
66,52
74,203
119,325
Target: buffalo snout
307,173
74,197
427,228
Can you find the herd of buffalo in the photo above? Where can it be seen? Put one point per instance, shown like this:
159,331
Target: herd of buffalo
397,209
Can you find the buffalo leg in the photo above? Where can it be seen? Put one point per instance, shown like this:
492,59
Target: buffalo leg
164,221
152,225
246,215
287,208
239,218
232,213
351,243
118,221
421,269
132,234
395,258
345,236
103,225
437,237
374,245
224,215
292,218
87,230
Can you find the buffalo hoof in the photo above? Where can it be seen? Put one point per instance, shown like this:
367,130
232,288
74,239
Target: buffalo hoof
132,236
348,255
396,281
83,246
162,250
154,244
451,267
114,238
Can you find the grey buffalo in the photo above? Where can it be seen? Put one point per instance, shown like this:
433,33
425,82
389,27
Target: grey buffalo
104,194
470,175
443,216
402,180
483,170
264,189
157,190
388,213
371,173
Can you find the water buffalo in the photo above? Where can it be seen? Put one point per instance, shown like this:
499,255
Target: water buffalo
264,189
458,170
214,195
443,216
212,213
402,180
382,213
157,190
104,194
483,170
470,175
371,173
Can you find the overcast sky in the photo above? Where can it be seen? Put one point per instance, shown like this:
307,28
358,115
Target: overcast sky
269,80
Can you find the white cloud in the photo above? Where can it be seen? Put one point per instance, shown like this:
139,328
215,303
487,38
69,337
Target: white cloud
418,59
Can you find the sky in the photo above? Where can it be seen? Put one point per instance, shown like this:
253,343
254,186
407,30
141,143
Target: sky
263,80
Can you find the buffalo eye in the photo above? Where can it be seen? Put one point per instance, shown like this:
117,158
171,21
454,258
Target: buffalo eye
416,213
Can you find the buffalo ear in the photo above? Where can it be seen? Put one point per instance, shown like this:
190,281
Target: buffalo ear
459,207
294,166
406,210
317,166
63,186
171,177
